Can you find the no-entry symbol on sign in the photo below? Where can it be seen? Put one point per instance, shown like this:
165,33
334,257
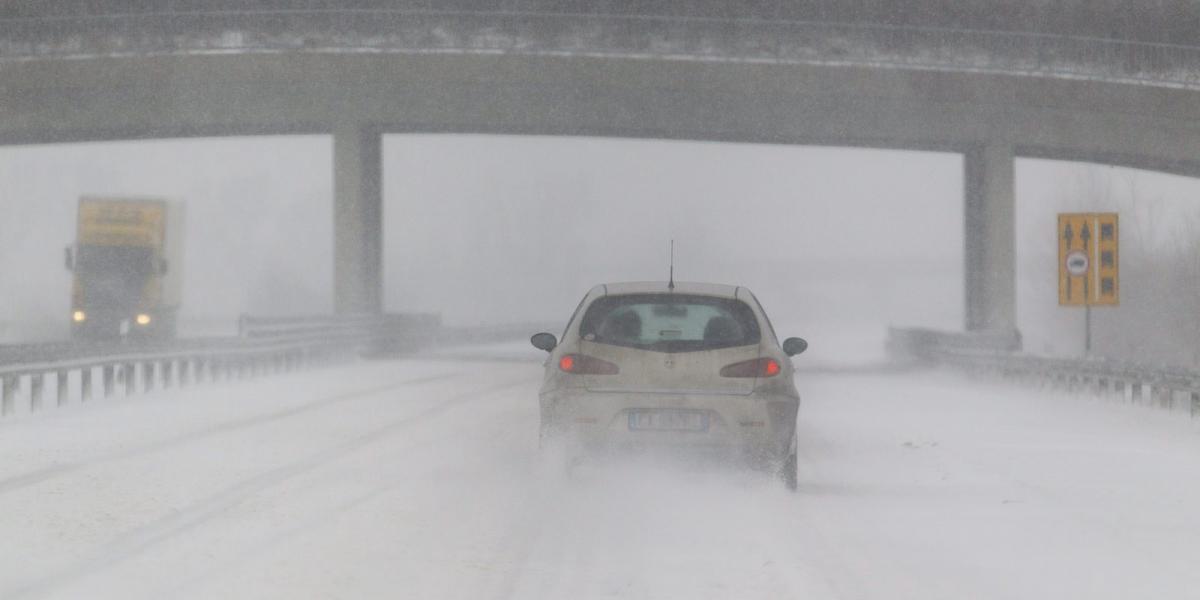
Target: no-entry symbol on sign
1077,263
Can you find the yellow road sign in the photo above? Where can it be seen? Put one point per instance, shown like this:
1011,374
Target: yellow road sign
1088,259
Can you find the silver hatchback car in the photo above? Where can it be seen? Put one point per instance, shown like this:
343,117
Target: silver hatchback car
687,366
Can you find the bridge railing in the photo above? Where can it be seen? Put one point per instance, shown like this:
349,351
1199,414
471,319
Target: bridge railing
62,372
559,33
997,354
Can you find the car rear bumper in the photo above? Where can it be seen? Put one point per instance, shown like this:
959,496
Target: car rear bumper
754,427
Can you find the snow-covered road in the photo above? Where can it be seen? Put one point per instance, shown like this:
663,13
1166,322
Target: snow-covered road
421,479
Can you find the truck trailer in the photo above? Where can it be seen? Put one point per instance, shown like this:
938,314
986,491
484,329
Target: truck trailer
126,263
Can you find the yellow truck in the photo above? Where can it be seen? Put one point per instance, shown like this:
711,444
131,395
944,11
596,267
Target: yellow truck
126,261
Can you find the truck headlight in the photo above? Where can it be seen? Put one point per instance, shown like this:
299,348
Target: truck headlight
79,316
142,319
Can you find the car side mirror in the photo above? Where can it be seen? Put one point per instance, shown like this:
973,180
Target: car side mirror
544,341
793,346
69,258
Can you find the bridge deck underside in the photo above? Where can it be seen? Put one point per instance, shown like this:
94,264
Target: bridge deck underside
171,96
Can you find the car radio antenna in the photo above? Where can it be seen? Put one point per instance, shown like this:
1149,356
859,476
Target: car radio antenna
671,280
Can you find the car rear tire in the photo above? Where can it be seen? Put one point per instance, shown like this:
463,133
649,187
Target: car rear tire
788,472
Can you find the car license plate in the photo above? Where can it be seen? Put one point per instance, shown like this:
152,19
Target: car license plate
668,420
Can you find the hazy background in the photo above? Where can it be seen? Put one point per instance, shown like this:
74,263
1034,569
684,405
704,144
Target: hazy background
837,243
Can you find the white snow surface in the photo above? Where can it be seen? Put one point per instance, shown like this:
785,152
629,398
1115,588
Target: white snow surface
421,478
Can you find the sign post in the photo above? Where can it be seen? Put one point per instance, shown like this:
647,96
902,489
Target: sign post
1088,264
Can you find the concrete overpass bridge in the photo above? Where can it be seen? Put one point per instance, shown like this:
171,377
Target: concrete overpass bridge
724,76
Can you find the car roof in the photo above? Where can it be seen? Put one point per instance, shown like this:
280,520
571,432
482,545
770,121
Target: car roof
660,287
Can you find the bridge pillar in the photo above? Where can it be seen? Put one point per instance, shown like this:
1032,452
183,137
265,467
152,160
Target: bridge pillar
990,239
357,219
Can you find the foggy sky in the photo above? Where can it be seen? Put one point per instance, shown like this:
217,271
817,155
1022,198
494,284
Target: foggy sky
489,229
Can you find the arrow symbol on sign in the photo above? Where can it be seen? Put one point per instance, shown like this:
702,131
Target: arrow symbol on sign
1068,236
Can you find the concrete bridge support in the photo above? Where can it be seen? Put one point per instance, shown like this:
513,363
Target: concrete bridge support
357,219
989,233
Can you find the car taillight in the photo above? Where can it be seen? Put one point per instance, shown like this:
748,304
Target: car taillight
582,364
759,367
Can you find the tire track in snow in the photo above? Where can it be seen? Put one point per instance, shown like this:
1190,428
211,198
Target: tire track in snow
139,540
844,552
25,480
326,517
517,544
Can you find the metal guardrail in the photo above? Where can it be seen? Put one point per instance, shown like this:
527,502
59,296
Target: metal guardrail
629,35
988,353
452,336
418,327
264,346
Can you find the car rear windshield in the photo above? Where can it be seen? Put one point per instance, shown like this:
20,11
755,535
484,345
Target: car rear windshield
670,322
